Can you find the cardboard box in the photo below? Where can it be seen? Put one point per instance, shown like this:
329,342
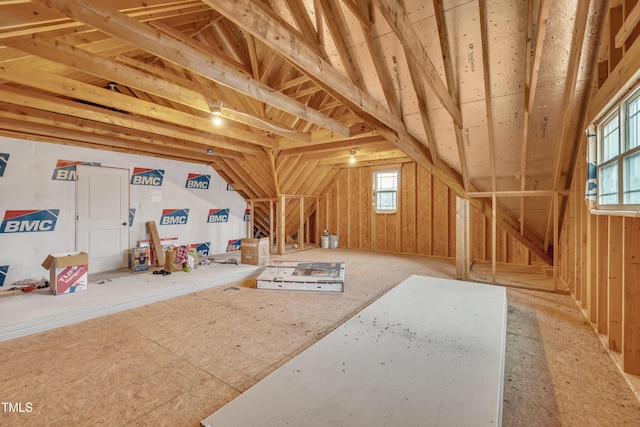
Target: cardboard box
139,259
165,242
68,272
254,251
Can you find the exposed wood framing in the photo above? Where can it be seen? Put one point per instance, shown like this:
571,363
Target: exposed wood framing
119,25
453,90
299,85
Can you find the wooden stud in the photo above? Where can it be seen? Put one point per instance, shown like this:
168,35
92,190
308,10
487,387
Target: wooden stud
614,283
251,223
571,248
440,219
271,221
579,226
601,279
301,233
463,246
493,237
281,225
556,248
631,296
584,268
591,270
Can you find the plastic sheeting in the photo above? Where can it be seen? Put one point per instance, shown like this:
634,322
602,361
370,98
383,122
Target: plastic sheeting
39,177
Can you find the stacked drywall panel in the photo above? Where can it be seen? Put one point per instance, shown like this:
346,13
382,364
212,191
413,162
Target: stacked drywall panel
303,276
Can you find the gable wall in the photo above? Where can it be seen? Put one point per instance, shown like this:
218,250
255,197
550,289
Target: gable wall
424,224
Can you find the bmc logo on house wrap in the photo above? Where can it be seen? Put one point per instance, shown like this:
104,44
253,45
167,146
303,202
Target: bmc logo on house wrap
196,180
66,169
4,159
29,221
247,215
4,270
142,176
234,245
218,215
174,216
202,248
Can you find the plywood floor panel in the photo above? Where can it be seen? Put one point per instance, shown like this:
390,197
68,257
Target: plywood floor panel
174,363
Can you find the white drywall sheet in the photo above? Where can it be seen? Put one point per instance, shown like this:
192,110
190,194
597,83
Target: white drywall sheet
429,352
303,276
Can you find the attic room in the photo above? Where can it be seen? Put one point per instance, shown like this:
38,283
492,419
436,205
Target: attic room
482,149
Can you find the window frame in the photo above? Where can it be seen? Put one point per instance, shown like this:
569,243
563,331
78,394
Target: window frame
619,112
376,191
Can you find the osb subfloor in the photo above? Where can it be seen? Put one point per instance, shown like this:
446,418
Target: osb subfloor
175,362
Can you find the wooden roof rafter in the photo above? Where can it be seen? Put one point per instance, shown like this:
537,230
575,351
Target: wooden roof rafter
303,20
391,128
74,109
482,5
575,52
21,26
338,29
398,20
92,12
532,71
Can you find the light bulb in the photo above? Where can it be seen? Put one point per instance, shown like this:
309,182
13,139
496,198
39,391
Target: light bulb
352,156
217,116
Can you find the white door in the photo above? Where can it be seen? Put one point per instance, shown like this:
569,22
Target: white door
102,221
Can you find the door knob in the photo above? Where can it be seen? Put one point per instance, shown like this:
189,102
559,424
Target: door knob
124,223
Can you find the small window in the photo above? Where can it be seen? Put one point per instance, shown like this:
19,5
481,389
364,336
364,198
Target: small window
385,191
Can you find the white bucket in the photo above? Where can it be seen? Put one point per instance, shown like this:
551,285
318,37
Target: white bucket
333,242
325,242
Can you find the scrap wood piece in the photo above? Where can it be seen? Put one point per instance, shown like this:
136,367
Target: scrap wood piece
155,241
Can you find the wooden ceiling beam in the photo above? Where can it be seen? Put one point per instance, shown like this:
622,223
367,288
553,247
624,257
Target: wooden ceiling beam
109,20
129,139
125,121
108,69
112,99
25,25
249,16
370,143
205,49
94,140
213,98
360,157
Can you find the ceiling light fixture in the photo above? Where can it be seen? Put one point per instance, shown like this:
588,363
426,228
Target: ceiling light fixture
216,112
352,156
